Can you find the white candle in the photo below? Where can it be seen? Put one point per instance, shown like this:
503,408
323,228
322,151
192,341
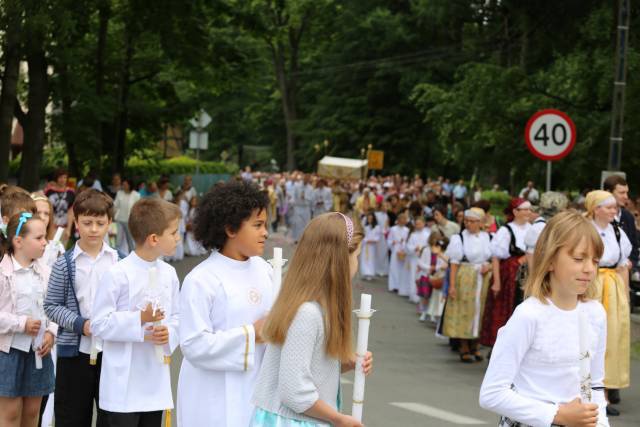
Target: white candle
58,235
585,357
93,357
277,271
364,318
153,284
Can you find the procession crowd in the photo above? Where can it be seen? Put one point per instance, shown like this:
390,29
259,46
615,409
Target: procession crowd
84,270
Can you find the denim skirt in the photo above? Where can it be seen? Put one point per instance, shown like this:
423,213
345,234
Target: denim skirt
20,378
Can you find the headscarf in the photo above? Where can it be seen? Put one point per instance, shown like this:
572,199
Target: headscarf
597,198
515,203
474,213
552,202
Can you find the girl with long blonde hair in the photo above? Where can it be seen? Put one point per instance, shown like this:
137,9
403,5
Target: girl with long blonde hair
612,288
547,365
308,330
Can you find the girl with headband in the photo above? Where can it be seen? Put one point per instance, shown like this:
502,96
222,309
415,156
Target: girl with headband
469,254
508,249
612,288
26,338
308,331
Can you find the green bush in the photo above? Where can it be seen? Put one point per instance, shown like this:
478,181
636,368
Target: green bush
499,201
175,166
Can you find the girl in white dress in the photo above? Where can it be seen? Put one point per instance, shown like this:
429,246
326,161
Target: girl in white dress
547,365
372,235
418,240
397,241
191,246
382,251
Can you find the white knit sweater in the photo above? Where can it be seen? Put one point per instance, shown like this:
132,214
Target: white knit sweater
295,375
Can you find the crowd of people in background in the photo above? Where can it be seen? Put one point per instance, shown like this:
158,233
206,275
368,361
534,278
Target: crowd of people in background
436,242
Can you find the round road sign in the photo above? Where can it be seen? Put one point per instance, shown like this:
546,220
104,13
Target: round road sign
550,134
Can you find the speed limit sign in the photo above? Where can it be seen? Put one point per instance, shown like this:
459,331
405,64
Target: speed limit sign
550,134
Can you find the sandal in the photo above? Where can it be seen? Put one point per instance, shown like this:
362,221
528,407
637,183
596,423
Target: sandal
478,356
466,357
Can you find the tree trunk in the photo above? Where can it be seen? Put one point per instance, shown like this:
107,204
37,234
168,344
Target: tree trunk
67,136
11,51
121,121
34,128
288,107
102,133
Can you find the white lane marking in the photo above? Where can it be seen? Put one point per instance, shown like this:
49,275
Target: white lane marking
437,413
345,381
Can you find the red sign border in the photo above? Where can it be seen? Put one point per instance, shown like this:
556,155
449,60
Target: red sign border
539,155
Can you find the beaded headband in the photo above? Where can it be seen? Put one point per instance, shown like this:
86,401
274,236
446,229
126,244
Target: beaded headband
349,224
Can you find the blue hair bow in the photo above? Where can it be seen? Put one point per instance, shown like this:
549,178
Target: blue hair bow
24,217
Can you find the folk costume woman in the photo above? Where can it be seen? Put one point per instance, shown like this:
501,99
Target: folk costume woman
612,288
508,249
470,259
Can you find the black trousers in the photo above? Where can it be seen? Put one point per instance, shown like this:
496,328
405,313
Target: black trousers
77,388
134,419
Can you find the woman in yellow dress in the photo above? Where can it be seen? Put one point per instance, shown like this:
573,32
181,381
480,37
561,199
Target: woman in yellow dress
612,288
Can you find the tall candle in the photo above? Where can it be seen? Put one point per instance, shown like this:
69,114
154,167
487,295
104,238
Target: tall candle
153,284
364,319
277,271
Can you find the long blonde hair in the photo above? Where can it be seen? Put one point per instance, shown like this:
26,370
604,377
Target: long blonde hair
319,272
566,229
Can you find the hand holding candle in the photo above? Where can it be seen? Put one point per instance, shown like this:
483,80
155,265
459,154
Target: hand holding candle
277,262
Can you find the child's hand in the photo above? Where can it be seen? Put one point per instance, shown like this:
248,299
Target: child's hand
86,328
367,363
147,315
160,335
576,413
47,344
257,327
32,326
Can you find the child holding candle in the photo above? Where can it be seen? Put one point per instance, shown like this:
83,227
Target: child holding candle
227,296
74,279
26,337
397,240
135,387
547,366
309,331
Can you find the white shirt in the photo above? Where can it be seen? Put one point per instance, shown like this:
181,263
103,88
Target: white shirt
537,353
222,299
417,240
477,248
533,195
533,234
502,239
28,287
132,378
123,204
611,255
397,238
89,270
190,193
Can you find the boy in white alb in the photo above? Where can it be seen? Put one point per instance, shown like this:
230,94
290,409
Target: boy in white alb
135,383
227,295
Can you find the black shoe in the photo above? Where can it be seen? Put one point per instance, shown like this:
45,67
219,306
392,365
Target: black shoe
614,396
612,412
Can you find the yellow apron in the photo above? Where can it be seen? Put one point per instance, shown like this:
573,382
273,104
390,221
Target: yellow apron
612,293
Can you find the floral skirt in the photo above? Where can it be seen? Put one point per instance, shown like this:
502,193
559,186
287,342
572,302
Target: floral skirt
463,316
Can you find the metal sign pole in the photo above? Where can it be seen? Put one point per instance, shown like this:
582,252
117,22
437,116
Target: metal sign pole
548,175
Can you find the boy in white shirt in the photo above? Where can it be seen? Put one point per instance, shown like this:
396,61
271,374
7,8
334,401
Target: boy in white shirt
133,313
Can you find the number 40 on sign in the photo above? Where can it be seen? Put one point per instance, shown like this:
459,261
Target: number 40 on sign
550,135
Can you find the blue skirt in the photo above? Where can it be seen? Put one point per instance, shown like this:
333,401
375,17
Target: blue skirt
262,418
20,378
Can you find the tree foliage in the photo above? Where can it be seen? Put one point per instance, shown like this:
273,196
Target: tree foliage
442,86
